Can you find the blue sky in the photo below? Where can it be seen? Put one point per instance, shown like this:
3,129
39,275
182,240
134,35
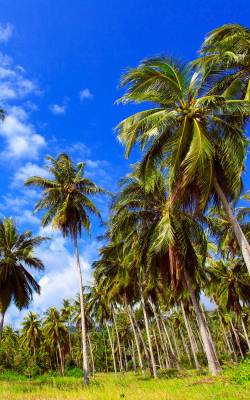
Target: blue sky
60,65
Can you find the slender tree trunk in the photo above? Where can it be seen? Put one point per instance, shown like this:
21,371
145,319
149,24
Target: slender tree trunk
112,348
191,339
1,325
92,356
118,342
157,349
175,342
185,346
163,345
213,363
129,311
170,345
125,359
106,356
241,238
230,348
131,346
148,335
245,333
83,322
209,333
237,340
70,344
61,359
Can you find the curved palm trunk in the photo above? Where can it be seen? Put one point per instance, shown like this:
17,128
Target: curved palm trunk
1,325
112,347
129,311
241,238
118,342
213,363
191,339
83,323
148,335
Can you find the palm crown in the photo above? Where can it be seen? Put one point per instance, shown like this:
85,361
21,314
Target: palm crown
65,196
191,132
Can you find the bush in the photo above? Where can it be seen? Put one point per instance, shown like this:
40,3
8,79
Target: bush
241,374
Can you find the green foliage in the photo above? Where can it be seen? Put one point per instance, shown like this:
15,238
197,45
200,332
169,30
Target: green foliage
241,374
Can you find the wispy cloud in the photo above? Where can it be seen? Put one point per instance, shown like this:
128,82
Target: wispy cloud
6,31
58,109
85,94
26,171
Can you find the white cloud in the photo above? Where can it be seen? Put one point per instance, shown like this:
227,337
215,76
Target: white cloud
28,170
6,31
21,139
85,94
27,217
58,109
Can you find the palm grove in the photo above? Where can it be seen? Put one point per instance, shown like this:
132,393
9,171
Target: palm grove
174,232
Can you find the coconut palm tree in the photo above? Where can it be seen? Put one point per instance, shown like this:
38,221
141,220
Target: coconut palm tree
31,331
16,254
165,240
55,333
197,136
65,198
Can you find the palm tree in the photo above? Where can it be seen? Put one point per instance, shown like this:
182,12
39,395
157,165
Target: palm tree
159,239
55,332
31,331
16,254
65,198
196,135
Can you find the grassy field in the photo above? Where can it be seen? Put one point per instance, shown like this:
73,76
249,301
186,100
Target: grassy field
128,386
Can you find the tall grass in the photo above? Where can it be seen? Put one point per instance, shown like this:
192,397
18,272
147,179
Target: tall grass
187,386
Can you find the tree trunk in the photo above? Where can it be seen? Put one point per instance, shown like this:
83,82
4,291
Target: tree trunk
163,345
92,356
157,349
112,347
131,346
185,346
213,363
61,359
148,335
83,322
191,339
241,238
106,357
118,342
129,311
170,344
1,325
237,340
245,333
231,350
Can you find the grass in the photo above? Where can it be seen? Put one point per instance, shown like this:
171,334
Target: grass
188,386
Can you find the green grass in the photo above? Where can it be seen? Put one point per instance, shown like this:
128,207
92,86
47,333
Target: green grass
129,387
